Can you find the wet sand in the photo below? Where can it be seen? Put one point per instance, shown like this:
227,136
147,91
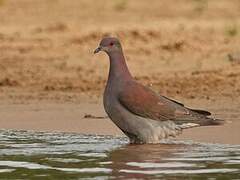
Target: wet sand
90,118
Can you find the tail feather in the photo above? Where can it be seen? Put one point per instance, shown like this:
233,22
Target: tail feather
203,120
185,124
212,122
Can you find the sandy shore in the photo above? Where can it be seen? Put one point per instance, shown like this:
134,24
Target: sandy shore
57,117
90,118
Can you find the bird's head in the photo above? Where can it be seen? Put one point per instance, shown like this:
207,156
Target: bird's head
109,45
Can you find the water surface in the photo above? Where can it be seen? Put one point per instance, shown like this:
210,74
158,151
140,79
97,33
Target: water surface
38,155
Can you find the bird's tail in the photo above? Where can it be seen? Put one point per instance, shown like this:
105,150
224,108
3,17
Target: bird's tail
211,122
201,122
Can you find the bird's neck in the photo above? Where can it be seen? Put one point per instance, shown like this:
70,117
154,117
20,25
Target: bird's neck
118,67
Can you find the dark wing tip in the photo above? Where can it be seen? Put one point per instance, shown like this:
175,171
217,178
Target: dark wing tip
205,113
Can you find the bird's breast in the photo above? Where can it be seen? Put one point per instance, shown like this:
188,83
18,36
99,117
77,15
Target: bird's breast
108,100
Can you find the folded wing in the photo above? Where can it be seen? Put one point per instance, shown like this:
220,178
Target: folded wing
143,102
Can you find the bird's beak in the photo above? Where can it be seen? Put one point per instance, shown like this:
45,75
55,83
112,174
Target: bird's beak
98,49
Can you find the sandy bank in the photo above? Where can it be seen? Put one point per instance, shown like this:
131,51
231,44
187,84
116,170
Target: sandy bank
77,118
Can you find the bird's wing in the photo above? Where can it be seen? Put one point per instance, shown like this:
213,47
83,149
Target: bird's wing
142,101
202,112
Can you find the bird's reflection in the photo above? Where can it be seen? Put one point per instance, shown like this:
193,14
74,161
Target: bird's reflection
155,153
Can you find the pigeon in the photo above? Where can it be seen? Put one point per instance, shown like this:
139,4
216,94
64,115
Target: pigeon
143,115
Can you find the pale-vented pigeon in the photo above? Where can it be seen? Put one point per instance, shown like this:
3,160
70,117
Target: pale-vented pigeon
143,115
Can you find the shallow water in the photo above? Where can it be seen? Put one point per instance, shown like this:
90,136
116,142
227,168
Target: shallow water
37,155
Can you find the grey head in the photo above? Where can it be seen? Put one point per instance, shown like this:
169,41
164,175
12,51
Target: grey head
109,45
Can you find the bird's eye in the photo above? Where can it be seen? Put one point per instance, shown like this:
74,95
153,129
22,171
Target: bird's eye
111,43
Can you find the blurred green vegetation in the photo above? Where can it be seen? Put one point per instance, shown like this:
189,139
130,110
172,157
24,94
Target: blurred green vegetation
200,6
120,5
232,30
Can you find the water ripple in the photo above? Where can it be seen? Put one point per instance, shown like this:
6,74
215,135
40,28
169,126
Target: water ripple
29,154
196,171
